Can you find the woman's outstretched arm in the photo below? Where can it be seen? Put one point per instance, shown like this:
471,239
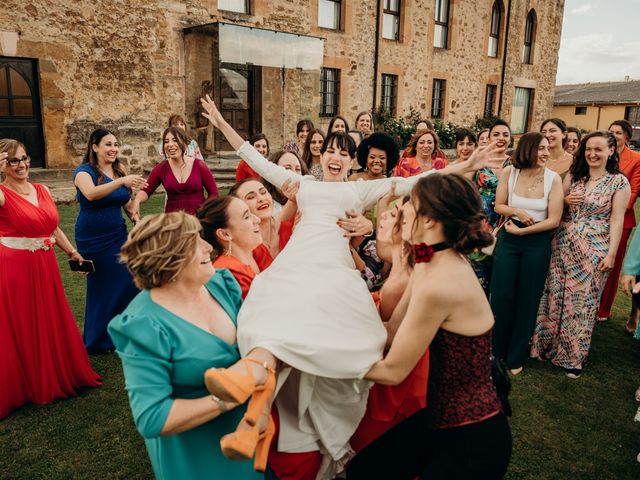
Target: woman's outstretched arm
272,173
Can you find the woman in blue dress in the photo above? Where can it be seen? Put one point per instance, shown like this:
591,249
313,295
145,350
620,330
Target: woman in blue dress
181,324
103,188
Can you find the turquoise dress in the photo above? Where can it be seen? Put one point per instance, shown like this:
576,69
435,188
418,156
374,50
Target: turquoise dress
164,358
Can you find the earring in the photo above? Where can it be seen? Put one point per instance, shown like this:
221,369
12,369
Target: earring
228,252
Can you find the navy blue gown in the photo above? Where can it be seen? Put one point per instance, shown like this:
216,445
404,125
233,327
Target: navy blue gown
100,232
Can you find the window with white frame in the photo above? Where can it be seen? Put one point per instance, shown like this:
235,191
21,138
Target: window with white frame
329,14
389,94
441,30
329,91
391,20
520,111
494,29
239,6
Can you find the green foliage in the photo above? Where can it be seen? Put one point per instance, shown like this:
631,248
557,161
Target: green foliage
401,129
446,133
482,123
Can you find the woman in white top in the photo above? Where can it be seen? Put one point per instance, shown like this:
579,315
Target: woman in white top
531,196
329,332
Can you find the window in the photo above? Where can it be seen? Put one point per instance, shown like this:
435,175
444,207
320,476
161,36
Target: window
329,14
520,110
441,31
632,115
240,6
391,20
15,94
329,91
494,30
490,100
437,99
389,99
581,110
529,36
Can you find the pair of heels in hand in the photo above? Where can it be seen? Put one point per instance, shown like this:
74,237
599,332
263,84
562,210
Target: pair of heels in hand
231,386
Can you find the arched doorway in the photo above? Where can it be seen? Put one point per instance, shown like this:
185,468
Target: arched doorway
20,116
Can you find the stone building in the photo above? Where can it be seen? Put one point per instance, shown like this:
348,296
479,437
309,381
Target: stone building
68,66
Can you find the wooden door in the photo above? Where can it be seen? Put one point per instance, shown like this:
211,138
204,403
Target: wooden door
240,100
20,116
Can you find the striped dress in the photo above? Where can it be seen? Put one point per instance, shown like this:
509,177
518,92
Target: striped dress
569,305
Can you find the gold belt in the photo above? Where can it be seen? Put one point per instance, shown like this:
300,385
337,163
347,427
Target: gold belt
31,244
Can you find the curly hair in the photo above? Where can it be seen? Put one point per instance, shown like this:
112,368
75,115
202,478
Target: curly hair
381,141
159,246
462,219
580,168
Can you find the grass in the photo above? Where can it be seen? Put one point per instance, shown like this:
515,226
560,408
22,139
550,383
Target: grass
562,428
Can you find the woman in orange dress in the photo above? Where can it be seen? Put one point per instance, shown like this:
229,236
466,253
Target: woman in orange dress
234,233
423,153
389,405
629,165
42,357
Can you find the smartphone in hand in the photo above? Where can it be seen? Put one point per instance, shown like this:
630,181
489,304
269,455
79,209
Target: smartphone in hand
86,267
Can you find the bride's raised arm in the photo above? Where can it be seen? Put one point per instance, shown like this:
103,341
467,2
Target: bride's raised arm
271,172
373,190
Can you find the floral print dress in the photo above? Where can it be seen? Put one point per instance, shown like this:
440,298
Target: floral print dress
487,182
569,305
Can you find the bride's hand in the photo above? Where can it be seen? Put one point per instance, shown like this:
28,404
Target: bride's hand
211,111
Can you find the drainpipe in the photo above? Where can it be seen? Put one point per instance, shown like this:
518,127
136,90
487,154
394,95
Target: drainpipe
504,58
375,59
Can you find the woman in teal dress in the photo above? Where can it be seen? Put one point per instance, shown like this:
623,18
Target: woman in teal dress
181,324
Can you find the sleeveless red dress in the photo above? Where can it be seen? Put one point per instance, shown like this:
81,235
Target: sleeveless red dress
42,356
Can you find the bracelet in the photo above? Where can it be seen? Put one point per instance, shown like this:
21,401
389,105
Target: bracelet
221,405
367,235
72,252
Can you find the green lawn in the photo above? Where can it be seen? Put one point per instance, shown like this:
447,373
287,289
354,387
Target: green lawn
562,428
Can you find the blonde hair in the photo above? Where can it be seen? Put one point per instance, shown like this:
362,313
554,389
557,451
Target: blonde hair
10,146
159,247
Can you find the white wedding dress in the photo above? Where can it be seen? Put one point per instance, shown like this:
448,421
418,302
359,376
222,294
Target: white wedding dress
313,311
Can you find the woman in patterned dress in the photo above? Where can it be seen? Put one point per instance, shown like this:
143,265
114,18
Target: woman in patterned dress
583,252
486,180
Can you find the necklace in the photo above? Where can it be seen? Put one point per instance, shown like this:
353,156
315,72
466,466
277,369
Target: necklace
537,180
595,179
423,253
18,191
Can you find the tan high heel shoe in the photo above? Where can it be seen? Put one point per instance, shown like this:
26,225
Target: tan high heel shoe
260,397
231,386
241,445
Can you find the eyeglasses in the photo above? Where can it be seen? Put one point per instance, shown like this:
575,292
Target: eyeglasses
14,162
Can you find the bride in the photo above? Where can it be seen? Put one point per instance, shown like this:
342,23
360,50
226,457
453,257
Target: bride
328,334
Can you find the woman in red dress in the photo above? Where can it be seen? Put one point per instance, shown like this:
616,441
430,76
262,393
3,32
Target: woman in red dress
234,233
389,405
184,177
41,352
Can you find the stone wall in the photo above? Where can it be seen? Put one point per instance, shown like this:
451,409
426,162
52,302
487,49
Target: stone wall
128,65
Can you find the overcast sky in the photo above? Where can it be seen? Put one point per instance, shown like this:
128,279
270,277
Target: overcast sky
600,41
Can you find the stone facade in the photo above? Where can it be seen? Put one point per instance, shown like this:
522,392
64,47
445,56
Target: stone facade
129,65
